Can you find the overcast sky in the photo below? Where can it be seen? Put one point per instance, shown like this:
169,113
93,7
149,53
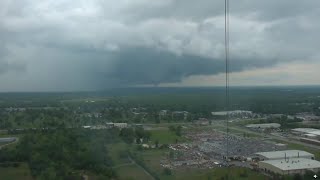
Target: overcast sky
63,45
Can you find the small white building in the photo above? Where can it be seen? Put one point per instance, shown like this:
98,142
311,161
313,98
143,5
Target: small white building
121,125
289,165
117,125
163,112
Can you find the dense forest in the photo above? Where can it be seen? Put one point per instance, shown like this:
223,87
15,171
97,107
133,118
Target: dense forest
64,153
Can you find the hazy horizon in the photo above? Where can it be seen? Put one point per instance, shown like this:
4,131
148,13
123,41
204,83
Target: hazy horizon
232,87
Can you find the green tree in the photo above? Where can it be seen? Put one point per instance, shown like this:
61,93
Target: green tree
167,171
127,135
297,177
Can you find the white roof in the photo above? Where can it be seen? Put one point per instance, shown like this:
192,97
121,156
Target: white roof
282,154
311,135
293,163
305,130
280,144
308,130
8,139
317,133
265,125
223,113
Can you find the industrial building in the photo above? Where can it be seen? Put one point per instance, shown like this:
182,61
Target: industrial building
236,113
117,125
7,139
264,126
307,132
274,155
289,165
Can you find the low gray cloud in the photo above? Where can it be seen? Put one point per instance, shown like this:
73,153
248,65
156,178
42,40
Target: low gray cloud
67,45
148,66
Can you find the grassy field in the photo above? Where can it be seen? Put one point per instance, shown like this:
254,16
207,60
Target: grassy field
165,137
16,173
132,172
301,147
152,158
219,173
115,151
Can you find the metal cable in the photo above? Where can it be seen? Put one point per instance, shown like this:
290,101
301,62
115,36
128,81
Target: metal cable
227,93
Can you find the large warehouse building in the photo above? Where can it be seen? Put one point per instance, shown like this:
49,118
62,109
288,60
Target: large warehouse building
290,165
236,113
287,162
273,155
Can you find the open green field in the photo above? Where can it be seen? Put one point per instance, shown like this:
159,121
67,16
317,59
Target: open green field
117,153
132,172
218,173
301,147
165,137
153,157
16,173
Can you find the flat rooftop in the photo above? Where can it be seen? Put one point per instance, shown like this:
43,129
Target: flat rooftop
282,154
308,131
224,113
7,139
293,163
265,125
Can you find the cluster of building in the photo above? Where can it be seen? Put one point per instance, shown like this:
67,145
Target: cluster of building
183,115
307,117
287,162
308,135
92,115
108,125
307,132
235,113
22,109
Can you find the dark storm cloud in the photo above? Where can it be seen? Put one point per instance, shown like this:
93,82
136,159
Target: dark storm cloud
59,44
138,66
